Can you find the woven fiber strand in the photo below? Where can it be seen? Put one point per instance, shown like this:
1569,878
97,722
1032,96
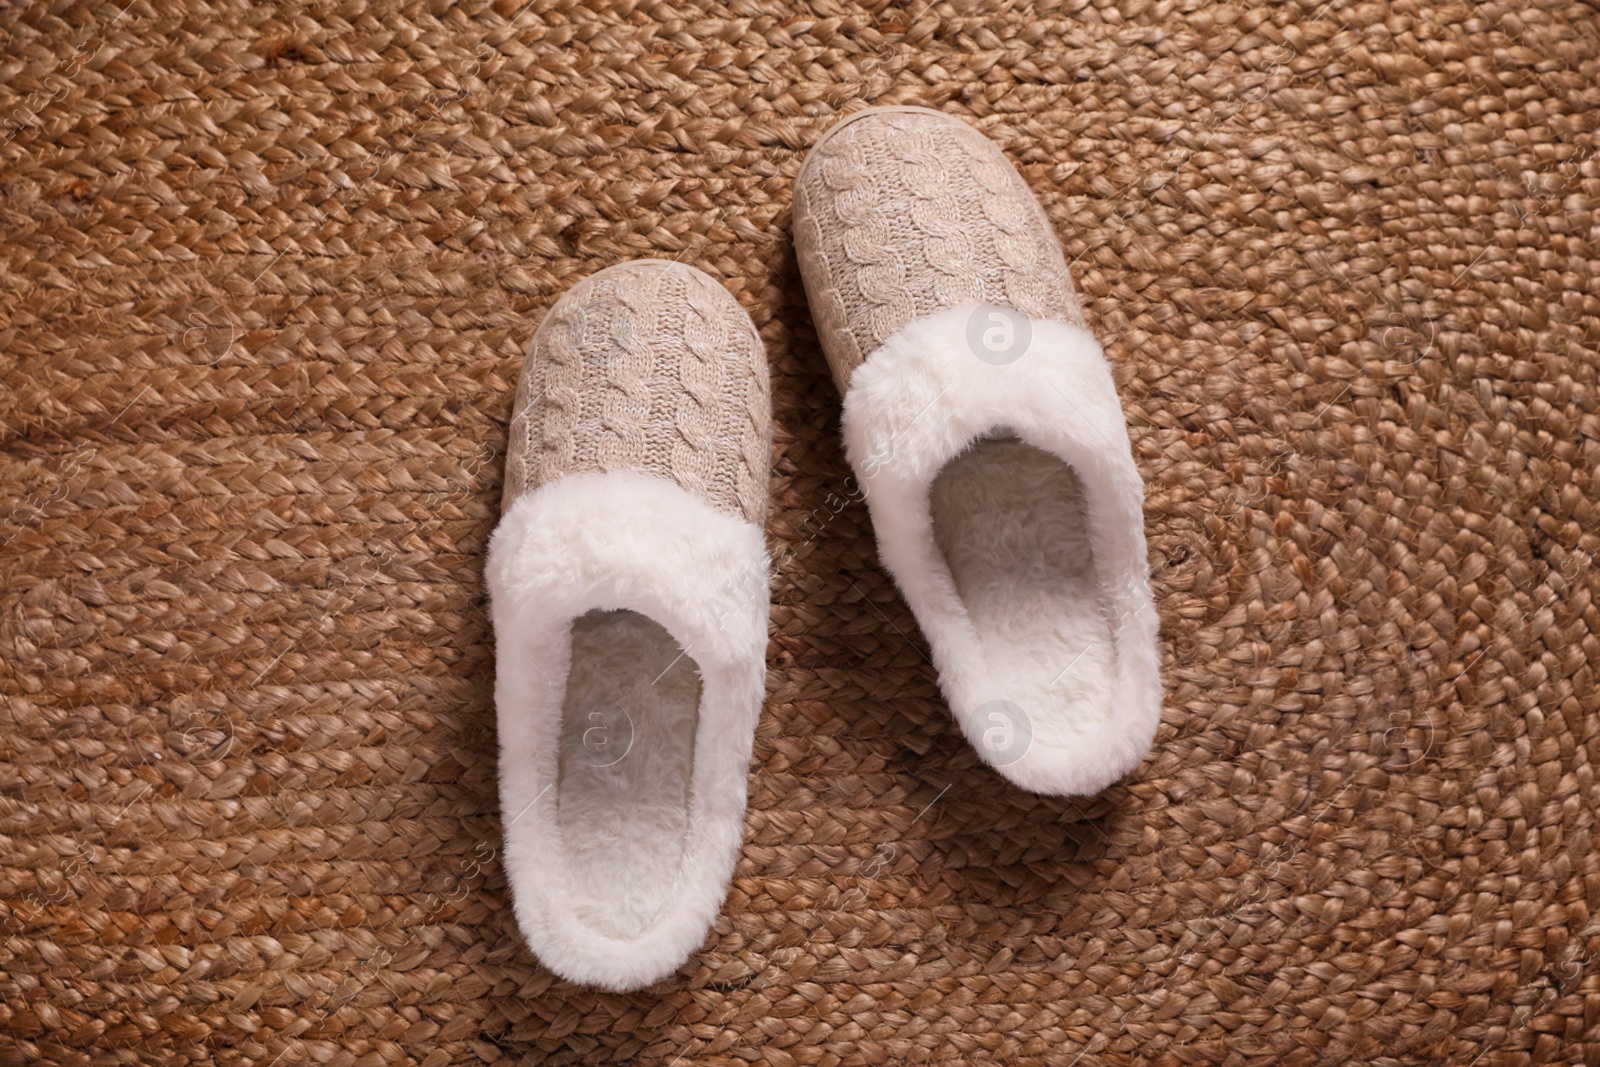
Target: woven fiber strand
269,274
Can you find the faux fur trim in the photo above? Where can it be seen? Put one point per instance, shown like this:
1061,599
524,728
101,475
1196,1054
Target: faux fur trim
623,540
922,399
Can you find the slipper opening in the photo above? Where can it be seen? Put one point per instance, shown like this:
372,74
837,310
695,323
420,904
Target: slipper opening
626,764
1012,522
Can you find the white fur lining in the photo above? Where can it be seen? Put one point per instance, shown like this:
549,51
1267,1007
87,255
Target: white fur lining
920,401
623,540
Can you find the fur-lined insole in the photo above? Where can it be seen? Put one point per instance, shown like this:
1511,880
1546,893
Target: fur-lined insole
1013,525
627,757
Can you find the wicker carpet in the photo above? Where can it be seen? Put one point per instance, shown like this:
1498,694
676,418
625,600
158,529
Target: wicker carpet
268,276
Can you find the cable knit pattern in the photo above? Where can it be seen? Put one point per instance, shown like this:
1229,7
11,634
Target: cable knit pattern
700,400
651,367
557,381
900,214
621,353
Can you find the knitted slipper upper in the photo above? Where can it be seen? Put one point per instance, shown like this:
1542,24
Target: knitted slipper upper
648,366
901,213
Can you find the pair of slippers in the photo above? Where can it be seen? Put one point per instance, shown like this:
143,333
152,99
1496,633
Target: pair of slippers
628,573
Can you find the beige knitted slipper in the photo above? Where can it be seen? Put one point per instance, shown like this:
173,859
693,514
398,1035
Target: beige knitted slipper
628,578
981,419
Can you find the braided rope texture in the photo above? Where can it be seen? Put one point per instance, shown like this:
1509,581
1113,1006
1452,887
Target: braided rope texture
650,367
270,273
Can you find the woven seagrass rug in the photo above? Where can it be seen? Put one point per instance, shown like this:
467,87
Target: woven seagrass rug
268,274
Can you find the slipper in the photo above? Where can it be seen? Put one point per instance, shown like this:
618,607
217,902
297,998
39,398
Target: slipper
983,424
628,583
